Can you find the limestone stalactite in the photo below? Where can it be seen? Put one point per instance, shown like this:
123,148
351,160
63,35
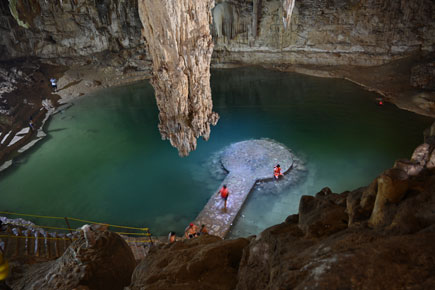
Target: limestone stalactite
287,7
178,39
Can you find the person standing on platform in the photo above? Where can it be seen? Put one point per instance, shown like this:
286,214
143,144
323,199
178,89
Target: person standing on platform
224,195
53,82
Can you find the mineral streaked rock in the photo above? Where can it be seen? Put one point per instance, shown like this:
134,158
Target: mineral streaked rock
179,42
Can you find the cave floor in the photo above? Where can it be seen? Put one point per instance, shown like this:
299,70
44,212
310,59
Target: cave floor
391,80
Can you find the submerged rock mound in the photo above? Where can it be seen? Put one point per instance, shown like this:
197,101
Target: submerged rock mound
256,158
246,162
178,38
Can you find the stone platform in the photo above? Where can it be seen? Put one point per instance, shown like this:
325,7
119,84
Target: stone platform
246,162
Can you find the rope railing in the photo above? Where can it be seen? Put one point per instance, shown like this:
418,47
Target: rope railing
73,219
144,231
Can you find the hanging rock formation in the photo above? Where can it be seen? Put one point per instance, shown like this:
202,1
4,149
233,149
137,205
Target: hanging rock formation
179,42
287,7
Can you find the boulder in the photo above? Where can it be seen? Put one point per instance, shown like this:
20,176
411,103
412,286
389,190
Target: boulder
354,209
369,196
320,216
421,154
105,263
270,258
429,135
281,257
417,211
412,168
392,186
207,262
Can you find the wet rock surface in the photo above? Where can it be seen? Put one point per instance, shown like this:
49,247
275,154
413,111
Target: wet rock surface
179,42
256,158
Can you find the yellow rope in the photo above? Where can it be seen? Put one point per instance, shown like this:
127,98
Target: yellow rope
139,241
73,219
138,234
33,215
115,226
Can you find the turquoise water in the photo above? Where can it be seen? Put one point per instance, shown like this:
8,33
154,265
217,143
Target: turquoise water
104,159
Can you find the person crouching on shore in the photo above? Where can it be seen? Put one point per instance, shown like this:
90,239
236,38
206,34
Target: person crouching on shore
191,231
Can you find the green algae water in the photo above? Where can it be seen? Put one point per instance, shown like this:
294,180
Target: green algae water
104,160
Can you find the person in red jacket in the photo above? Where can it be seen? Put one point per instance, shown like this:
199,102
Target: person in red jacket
224,195
277,171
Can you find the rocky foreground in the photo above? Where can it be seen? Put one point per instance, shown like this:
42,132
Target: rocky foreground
377,237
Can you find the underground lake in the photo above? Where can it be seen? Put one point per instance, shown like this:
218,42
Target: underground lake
104,160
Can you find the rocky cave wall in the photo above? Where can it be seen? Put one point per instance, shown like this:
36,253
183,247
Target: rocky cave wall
359,32
322,32
71,29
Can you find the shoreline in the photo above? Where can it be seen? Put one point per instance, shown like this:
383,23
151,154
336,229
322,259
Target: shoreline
386,80
74,83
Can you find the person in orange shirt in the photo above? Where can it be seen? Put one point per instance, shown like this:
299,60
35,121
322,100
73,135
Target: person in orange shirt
224,195
277,171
